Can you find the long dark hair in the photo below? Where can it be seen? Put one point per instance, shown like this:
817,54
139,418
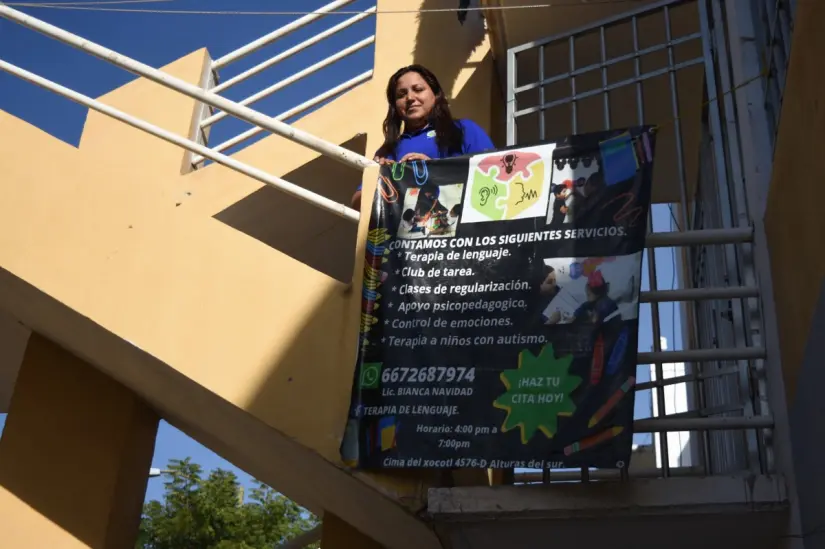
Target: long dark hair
448,133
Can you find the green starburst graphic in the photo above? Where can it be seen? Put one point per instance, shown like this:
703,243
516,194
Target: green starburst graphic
538,392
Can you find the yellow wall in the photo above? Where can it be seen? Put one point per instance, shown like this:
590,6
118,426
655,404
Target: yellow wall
337,534
13,339
222,303
794,222
73,456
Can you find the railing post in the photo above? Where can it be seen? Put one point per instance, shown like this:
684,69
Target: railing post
202,110
246,114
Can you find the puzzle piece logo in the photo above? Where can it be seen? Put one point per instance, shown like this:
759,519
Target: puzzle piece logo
509,185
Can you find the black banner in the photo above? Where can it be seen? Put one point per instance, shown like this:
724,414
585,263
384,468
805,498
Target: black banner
500,308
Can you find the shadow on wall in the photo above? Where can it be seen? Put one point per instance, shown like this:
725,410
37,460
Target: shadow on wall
299,229
326,389
476,94
807,426
443,45
243,439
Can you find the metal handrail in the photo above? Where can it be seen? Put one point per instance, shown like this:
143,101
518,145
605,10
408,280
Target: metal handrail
298,109
678,238
726,364
665,424
701,355
242,112
290,188
696,294
266,92
607,63
292,51
206,121
661,239
255,45
618,18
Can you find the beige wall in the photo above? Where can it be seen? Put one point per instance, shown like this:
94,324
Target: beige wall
794,222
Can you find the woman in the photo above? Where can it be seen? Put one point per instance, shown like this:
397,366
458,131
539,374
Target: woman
416,99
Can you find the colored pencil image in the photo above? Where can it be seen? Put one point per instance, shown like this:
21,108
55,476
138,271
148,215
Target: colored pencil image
612,402
591,441
617,354
597,365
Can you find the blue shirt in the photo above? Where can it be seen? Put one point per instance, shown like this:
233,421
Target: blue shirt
422,141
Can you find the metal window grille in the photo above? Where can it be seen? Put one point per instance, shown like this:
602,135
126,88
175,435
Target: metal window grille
621,71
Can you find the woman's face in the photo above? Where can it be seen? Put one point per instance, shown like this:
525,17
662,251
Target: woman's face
414,99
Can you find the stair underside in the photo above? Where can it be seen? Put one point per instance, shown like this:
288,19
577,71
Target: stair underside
686,513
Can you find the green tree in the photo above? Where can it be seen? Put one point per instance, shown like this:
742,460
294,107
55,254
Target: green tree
211,513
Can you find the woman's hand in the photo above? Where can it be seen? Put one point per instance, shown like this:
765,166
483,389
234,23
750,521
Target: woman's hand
355,201
383,161
409,157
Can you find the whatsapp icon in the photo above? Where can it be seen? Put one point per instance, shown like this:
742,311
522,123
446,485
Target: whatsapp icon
370,375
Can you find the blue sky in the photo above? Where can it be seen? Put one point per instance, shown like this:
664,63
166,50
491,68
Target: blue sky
158,39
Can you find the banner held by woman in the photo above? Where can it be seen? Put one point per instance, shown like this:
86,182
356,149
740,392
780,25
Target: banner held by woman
500,308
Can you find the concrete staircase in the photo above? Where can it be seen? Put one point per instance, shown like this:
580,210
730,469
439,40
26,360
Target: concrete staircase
218,302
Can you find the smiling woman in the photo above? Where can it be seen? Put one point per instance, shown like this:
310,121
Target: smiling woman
419,125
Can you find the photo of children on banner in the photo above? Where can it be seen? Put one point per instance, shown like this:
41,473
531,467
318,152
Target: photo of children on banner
430,211
589,290
575,182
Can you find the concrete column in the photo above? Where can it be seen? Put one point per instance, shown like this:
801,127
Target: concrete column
337,534
74,456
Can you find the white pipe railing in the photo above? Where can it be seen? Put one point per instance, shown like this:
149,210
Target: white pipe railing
266,92
679,238
290,188
655,240
298,109
292,51
275,35
246,114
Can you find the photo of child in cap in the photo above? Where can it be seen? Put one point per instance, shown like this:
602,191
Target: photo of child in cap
599,306
590,290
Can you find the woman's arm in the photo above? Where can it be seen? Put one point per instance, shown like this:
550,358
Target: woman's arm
355,201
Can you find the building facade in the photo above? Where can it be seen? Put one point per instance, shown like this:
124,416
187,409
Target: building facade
166,288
